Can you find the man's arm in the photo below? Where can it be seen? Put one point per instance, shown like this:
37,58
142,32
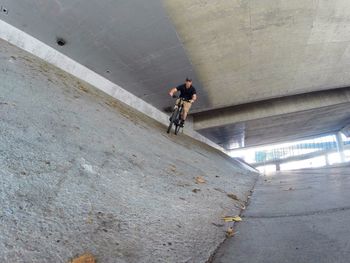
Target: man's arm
172,91
194,97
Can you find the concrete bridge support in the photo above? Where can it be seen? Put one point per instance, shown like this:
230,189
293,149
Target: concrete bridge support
340,146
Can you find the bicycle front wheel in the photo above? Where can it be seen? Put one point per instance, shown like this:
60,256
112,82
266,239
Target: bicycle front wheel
172,119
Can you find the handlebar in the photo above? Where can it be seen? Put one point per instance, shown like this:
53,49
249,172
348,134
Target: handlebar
178,97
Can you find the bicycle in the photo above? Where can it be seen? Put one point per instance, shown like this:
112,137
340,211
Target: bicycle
175,116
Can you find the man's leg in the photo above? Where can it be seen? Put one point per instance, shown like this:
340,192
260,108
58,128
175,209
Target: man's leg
187,106
176,102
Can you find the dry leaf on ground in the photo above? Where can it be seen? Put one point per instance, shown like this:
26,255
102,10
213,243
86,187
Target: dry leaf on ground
200,180
172,168
232,219
240,206
229,232
233,196
85,258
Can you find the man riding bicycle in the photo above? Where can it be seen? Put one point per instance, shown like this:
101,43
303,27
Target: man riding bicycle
189,94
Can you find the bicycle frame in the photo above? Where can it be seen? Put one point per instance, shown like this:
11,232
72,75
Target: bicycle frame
175,117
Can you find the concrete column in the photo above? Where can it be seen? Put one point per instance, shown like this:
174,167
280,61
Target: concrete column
241,142
278,167
326,157
340,146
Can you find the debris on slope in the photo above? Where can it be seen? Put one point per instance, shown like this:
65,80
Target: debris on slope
85,258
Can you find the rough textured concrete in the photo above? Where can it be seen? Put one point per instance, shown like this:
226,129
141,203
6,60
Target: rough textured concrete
238,51
277,127
81,172
39,49
256,50
297,216
270,108
250,51
131,43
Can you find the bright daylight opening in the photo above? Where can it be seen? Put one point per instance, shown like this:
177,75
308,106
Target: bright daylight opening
309,153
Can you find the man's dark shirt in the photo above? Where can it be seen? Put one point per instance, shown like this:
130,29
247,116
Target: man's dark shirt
186,93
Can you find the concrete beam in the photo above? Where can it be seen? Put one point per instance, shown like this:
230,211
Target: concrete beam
340,146
270,108
346,130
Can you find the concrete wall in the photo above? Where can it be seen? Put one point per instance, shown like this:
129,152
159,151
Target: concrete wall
83,172
52,56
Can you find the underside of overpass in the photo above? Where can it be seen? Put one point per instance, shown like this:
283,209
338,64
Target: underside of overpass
266,72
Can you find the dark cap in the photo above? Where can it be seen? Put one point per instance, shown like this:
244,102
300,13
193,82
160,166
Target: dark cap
188,79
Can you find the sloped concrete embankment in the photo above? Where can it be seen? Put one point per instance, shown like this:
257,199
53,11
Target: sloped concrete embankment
83,173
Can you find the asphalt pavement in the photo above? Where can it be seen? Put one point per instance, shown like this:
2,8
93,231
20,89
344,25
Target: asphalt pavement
294,217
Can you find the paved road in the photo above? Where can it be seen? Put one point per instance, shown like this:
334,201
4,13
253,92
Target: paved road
295,217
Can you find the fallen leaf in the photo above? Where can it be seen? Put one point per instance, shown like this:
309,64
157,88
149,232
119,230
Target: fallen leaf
172,168
85,258
240,206
229,232
232,218
233,196
196,190
200,180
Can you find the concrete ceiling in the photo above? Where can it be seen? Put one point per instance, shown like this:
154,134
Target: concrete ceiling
281,128
246,51
277,120
241,54
131,43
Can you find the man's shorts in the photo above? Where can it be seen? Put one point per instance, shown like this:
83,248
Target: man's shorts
187,105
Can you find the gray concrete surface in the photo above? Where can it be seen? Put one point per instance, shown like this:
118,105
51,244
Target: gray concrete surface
82,172
39,49
271,122
239,52
131,43
297,216
256,50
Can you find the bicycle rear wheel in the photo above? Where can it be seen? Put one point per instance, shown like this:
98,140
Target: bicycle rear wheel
177,128
169,127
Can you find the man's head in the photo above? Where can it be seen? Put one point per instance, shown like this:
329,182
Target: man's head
188,82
